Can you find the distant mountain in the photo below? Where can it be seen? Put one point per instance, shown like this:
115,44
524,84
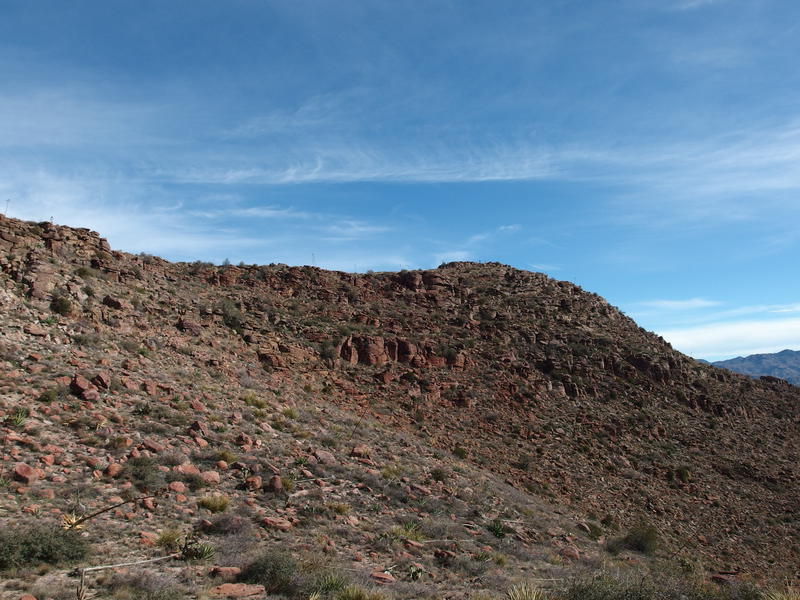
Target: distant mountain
784,364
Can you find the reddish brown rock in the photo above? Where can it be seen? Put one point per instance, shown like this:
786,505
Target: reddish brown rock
276,523
177,486
35,329
360,451
225,572
102,379
383,577
114,470
117,303
210,477
253,483
80,384
27,474
236,590
275,484
152,445
325,457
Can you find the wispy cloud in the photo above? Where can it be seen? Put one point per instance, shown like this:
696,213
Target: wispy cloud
690,304
717,341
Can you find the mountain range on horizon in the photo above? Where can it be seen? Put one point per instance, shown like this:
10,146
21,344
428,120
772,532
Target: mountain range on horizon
784,364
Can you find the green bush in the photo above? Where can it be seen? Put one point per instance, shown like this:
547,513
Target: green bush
143,472
29,544
641,538
276,571
215,504
61,305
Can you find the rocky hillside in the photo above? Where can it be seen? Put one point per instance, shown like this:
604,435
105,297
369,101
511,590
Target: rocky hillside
784,364
438,433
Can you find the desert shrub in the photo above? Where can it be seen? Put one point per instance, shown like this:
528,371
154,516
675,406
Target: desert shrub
641,538
605,587
276,571
329,582
439,474
524,591
356,592
498,528
87,272
143,473
36,543
61,305
146,586
169,539
252,400
216,504
460,452
231,316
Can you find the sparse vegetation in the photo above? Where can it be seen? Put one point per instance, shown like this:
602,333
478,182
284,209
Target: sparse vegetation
28,544
642,538
215,504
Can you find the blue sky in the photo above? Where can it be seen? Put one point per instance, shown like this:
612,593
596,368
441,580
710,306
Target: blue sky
647,150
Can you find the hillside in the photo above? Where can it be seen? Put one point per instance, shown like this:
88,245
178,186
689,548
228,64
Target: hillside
439,433
784,364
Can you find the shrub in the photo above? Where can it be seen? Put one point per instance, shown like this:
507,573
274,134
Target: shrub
216,504
460,452
169,539
61,305
356,592
143,473
524,591
146,586
31,544
641,538
276,571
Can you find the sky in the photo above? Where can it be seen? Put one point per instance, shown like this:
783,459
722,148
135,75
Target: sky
646,150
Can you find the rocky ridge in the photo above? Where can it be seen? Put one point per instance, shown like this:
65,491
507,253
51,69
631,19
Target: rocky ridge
503,411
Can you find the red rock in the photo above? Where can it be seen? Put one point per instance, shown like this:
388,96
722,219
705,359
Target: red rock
152,445
197,405
150,388
244,440
187,469
90,395
325,457
114,470
148,538
276,523
27,474
200,427
80,384
210,477
117,303
102,379
253,483
48,459
236,590
149,504
360,451
177,486
225,572
275,484
35,329
570,552
382,577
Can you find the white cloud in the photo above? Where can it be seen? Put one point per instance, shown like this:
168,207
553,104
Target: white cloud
690,304
717,341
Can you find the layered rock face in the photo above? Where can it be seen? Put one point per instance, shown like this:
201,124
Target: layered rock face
532,379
